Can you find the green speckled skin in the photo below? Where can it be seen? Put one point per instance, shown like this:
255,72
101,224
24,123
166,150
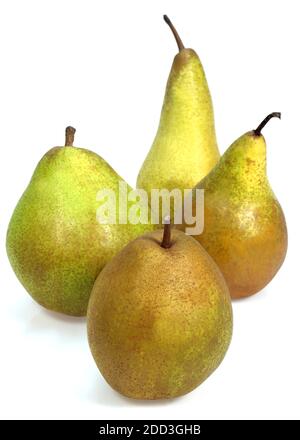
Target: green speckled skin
244,226
159,320
185,147
54,242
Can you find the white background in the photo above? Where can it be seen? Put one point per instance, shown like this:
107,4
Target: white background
102,67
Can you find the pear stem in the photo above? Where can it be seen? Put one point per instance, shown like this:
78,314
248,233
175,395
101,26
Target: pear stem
166,241
175,33
70,134
258,130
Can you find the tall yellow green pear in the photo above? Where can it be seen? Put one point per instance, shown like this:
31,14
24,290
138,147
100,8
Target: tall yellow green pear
55,243
185,147
244,226
159,318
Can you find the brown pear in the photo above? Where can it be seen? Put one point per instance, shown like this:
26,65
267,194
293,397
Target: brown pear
159,318
244,226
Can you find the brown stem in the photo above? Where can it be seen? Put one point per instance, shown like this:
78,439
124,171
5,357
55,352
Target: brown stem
258,130
166,241
175,33
70,134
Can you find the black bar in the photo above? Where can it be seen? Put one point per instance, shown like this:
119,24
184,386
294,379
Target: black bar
145,429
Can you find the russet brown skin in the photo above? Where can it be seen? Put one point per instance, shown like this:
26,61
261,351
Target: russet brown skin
247,259
159,318
244,226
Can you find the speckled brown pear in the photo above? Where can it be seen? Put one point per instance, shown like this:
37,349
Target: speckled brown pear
54,242
159,317
244,225
185,147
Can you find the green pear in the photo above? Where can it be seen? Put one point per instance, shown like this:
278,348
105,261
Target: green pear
55,243
159,317
244,226
185,147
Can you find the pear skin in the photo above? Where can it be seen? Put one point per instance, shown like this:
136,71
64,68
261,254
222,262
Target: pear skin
244,226
159,317
54,242
185,147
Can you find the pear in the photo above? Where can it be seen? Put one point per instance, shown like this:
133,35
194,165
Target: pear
55,244
159,317
185,147
244,226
